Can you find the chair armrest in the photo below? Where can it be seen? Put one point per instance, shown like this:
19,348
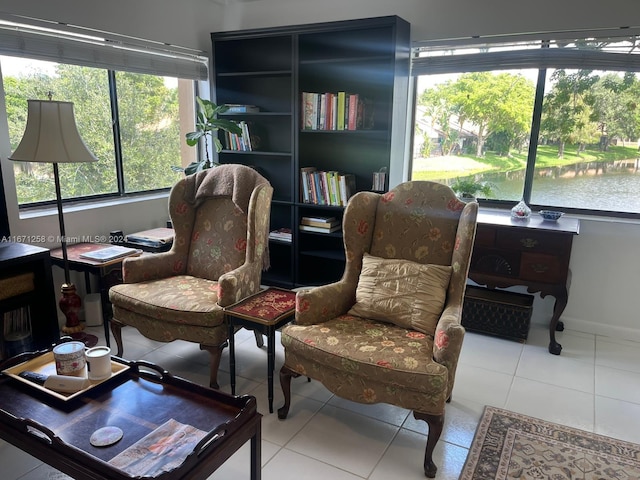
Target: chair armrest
239,283
447,342
319,304
153,266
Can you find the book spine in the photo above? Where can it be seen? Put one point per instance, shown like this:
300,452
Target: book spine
353,112
322,122
340,113
307,111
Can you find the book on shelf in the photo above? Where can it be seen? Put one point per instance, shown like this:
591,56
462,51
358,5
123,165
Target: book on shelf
310,228
335,111
379,181
240,108
320,222
249,141
282,234
319,219
321,187
110,253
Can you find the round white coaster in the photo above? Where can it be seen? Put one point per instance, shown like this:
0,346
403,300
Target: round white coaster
105,436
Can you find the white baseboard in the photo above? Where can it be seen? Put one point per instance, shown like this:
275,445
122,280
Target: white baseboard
605,330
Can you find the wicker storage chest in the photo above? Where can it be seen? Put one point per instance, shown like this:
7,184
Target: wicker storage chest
497,312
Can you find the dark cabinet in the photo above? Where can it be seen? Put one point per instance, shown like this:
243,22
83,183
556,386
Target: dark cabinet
25,275
271,69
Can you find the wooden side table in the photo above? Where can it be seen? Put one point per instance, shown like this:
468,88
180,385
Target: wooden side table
532,253
108,273
265,312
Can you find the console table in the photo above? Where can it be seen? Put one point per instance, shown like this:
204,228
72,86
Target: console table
533,253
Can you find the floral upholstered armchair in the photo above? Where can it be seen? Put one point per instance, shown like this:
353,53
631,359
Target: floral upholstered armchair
390,330
221,219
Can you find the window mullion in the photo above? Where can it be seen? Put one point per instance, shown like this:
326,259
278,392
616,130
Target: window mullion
535,133
115,119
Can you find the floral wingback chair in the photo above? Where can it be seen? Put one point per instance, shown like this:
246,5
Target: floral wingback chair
220,218
390,330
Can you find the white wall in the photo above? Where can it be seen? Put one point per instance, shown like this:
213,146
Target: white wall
604,296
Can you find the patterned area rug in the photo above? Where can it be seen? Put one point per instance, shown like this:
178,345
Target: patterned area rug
509,445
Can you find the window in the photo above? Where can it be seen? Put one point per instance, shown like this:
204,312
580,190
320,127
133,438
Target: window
553,121
148,137
133,101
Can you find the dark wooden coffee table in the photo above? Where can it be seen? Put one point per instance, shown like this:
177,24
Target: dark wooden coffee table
137,400
264,312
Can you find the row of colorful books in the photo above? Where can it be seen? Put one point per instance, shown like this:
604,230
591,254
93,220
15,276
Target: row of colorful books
247,142
336,111
321,187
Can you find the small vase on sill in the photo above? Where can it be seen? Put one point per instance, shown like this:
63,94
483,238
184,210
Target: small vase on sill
521,211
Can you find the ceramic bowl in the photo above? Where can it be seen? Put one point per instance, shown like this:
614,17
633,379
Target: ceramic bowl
550,215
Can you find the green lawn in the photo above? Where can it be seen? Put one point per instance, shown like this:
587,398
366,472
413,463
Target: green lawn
547,156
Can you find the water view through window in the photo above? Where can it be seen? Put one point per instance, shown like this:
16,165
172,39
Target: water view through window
585,154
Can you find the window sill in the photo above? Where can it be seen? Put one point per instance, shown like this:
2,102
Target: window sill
49,210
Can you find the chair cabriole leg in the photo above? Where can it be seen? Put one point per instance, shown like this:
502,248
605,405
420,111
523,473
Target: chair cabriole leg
435,422
285,382
215,355
116,329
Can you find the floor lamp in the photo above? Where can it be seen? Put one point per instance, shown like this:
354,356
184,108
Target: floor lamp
51,136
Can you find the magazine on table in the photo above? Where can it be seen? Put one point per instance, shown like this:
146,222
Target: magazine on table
110,253
162,450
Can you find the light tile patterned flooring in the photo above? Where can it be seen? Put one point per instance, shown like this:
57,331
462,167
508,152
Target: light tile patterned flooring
594,385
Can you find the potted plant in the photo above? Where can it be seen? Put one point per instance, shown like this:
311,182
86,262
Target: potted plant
468,188
207,125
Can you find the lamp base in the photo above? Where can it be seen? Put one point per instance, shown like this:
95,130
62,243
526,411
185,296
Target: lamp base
70,304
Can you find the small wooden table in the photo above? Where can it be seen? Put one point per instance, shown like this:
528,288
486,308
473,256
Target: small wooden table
265,312
137,401
532,253
109,273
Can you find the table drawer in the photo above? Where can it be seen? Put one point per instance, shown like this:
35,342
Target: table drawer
528,241
540,267
485,236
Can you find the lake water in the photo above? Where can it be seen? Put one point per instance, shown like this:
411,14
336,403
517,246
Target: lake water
613,186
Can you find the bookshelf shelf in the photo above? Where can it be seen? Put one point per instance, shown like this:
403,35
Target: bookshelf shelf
271,68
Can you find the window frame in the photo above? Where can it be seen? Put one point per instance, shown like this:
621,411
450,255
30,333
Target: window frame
542,57
38,39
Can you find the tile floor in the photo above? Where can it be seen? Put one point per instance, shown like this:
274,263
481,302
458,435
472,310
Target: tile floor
594,385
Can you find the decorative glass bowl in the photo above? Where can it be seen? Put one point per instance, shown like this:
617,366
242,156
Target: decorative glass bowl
521,211
550,215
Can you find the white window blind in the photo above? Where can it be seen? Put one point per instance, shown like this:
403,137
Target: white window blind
42,40
572,50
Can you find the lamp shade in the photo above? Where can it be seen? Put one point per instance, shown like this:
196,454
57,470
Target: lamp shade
51,135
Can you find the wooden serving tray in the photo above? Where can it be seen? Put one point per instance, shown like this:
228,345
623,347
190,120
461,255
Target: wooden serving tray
46,365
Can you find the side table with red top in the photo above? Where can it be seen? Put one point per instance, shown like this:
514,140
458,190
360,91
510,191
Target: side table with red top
264,312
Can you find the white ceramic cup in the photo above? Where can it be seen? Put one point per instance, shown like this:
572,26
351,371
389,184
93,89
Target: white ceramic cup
69,357
98,362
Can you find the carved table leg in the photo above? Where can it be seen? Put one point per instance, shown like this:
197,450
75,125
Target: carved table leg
562,296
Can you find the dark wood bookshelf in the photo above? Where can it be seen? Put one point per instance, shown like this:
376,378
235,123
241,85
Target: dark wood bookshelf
270,68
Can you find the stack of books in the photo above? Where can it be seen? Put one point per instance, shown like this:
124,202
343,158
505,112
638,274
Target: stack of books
281,234
319,224
326,188
241,108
